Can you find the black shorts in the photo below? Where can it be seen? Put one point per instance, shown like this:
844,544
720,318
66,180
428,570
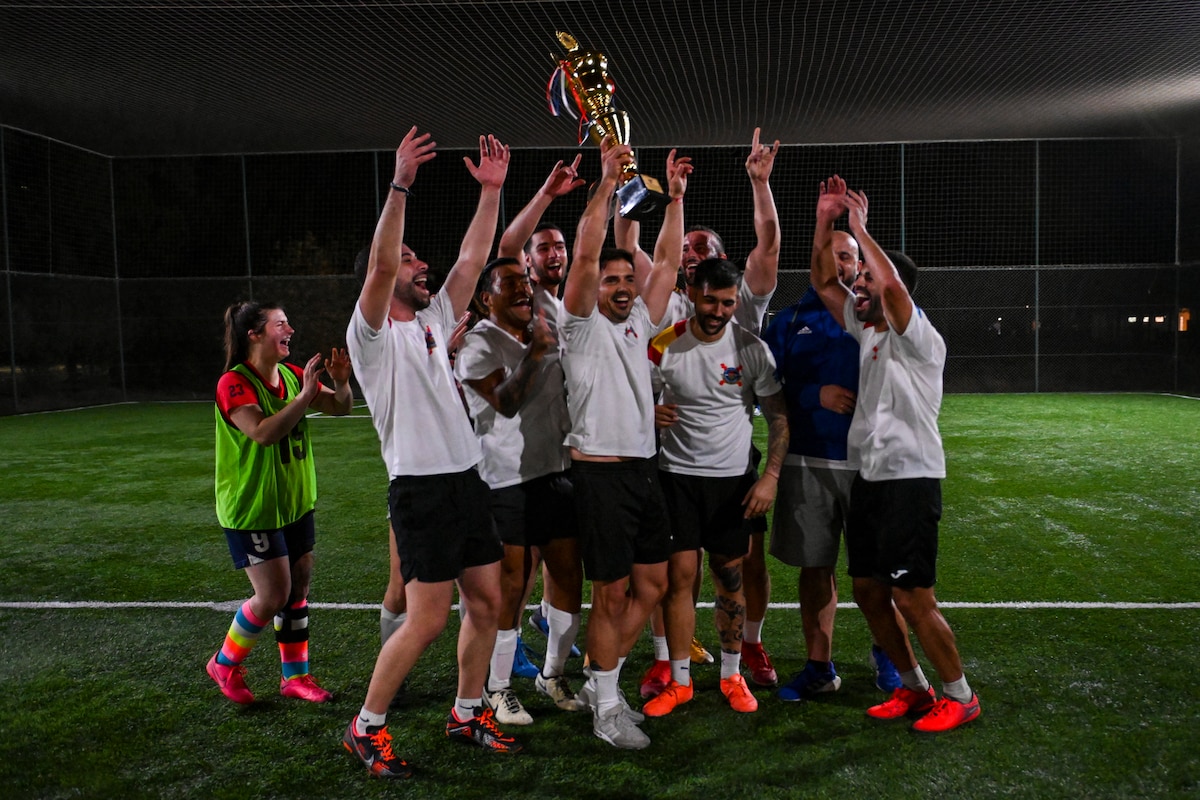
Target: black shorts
443,525
530,514
892,531
622,517
708,512
248,548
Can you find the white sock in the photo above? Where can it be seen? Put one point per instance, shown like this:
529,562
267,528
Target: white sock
606,689
564,628
389,623
502,660
661,651
368,720
915,679
464,708
958,690
752,633
681,671
731,664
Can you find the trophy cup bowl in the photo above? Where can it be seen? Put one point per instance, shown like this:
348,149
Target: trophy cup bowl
585,74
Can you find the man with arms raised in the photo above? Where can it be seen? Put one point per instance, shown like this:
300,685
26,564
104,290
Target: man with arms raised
896,500
437,501
757,285
624,531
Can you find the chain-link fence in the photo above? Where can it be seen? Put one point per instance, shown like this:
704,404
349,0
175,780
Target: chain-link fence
1047,266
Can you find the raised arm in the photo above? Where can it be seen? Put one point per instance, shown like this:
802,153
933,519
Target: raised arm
477,243
762,265
831,203
661,281
583,281
560,181
897,303
627,234
376,296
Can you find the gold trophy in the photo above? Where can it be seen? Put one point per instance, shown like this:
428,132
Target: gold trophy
581,81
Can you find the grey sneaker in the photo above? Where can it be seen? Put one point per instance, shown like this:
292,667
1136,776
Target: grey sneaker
587,693
615,727
508,708
558,690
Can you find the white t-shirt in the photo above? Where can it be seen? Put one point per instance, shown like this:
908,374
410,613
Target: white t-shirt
894,431
530,443
608,382
405,377
714,385
751,309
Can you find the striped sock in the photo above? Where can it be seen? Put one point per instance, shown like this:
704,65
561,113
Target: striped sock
291,631
242,636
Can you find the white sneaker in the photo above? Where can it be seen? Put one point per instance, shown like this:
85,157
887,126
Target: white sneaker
508,708
615,727
587,693
558,690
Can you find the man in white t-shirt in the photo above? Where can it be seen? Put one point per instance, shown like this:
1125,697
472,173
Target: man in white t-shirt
713,373
512,378
437,501
623,527
543,249
757,286
896,500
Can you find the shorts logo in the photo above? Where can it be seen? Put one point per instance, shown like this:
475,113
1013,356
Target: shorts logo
898,574
731,375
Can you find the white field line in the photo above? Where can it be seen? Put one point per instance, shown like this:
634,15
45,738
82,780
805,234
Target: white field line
228,605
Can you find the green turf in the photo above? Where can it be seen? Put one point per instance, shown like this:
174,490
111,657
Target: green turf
1049,498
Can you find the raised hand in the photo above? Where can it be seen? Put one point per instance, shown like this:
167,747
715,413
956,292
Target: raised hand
312,379
414,150
459,333
856,204
338,365
761,160
493,162
613,158
563,179
678,170
831,200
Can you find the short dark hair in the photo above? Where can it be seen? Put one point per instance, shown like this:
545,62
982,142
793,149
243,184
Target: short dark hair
541,226
615,254
906,267
715,273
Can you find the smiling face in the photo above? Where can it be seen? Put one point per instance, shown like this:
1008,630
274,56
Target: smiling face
714,309
868,305
411,290
546,256
617,289
273,342
697,246
509,300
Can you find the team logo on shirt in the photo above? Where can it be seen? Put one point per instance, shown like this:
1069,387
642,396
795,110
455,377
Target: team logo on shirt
731,375
630,331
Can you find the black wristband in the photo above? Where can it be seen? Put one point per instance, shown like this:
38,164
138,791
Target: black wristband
403,189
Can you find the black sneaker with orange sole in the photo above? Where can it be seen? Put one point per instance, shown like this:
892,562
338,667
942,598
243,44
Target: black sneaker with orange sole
482,730
375,750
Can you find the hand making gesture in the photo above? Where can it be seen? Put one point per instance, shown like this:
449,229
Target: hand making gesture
413,151
761,160
493,163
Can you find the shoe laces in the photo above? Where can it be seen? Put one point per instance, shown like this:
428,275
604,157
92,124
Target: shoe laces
381,740
487,721
511,703
942,708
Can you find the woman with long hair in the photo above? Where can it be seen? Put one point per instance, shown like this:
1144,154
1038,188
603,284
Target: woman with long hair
266,489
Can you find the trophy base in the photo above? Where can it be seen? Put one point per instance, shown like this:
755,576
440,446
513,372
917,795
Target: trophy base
641,197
